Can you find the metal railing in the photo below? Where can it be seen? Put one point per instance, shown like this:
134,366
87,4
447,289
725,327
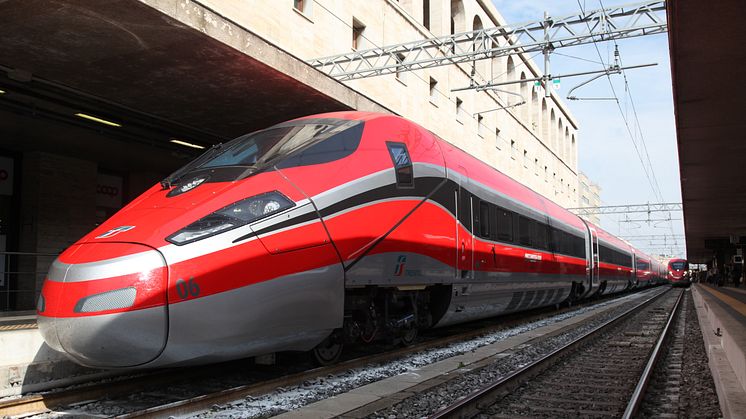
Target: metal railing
21,275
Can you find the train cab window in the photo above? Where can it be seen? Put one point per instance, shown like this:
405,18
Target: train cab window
402,164
294,143
524,231
504,225
484,219
335,147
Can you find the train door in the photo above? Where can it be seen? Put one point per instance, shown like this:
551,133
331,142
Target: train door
593,260
464,228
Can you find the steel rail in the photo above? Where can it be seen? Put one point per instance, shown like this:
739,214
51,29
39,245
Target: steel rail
639,394
471,405
44,402
189,406
41,403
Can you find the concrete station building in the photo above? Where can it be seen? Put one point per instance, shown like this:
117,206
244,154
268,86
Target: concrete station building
161,73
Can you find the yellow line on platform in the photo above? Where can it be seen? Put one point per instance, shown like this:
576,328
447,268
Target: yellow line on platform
17,327
735,304
736,290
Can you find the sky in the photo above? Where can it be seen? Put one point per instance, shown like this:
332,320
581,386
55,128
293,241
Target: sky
606,152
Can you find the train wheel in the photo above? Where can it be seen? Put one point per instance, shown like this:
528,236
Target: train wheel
408,337
328,351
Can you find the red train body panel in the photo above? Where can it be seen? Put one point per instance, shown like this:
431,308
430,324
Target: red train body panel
334,227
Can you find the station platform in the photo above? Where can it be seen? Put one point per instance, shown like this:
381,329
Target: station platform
722,318
17,320
28,365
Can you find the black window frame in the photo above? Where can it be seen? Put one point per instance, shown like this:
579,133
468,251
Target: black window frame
401,168
483,215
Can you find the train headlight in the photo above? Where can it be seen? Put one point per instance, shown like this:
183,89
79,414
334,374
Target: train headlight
235,215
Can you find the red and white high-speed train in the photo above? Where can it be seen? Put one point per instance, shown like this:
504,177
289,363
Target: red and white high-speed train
314,232
678,272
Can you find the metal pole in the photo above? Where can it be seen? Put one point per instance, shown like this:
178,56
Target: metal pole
6,278
547,92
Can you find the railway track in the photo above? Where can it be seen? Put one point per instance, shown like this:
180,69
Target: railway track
180,391
603,373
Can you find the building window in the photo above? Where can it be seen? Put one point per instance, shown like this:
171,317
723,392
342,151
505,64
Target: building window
426,14
498,140
480,125
459,108
546,174
536,167
525,159
513,149
357,34
303,6
400,73
433,90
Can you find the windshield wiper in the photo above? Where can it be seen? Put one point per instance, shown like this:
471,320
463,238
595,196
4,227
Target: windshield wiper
174,177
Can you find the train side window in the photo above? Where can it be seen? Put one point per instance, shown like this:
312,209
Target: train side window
504,225
554,239
559,241
524,231
475,216
567,243
540,235
464,210
578,246
603,254
484,219
493,222
402,164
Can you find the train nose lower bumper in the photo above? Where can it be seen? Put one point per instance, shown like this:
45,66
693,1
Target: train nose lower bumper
108,312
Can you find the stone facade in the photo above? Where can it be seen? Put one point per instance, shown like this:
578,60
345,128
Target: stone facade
589,195
535,143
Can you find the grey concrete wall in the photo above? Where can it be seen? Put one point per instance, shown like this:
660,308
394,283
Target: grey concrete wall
58,206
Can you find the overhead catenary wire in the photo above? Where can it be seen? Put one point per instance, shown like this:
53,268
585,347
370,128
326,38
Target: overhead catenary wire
648,168
650,177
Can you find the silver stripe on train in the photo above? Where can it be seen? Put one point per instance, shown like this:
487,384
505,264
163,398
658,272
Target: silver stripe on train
109,268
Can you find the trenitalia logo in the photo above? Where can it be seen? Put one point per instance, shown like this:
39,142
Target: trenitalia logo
399,270
113,232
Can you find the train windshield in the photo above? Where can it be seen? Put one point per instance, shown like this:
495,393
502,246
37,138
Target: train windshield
267,147
678,266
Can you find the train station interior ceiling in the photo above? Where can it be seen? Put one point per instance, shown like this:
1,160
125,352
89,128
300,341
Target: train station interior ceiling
128,63
708,64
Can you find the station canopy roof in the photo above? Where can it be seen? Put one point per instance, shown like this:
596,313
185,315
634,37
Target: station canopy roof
708,61
161,74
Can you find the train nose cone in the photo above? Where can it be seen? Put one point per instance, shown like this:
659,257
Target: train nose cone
104,304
